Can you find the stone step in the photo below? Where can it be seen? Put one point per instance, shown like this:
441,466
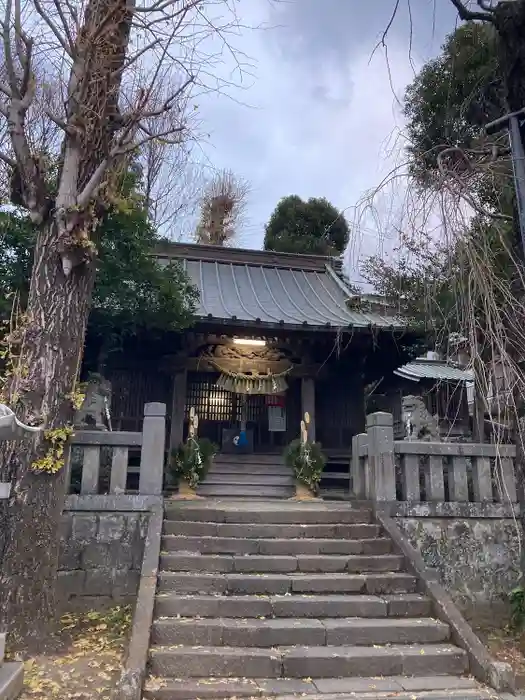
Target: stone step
234,632
281,584
430,687
233,458
245,491
252,468
269,513
2,646
11,680
243,479
307,662
270,531
329,476
280,564
298,606
290,547
468,694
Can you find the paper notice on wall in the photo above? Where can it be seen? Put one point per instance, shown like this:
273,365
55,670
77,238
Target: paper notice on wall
276,419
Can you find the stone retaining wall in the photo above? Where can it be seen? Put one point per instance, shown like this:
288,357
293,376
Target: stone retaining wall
100,557
475,550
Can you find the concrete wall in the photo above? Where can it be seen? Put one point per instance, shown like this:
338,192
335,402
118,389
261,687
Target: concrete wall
477,557
100,557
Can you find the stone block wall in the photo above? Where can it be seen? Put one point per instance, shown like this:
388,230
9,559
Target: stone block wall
100,557
477,557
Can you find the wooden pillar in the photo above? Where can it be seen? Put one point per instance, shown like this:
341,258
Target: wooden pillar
178,406
308,404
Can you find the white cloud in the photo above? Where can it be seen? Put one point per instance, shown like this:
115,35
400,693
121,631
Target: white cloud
321,115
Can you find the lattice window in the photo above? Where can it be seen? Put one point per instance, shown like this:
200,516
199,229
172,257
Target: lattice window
256,409
210,402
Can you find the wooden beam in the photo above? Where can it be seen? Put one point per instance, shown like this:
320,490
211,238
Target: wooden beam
178,406
195,364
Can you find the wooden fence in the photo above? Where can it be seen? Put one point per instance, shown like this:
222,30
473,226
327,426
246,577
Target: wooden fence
120,450
384,469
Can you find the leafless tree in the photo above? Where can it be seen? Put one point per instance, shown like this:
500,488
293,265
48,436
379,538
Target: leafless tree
172,180
91,78
222,208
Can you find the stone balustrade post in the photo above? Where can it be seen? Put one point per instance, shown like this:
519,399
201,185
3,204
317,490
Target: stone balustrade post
358,465
5,489
153,446
381,463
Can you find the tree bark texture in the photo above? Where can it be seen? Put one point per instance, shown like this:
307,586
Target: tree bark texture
51,352
53,329
509,20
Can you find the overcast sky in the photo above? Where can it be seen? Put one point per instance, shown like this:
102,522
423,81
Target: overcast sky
319,115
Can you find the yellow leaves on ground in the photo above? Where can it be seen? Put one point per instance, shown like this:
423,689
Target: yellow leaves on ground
86,663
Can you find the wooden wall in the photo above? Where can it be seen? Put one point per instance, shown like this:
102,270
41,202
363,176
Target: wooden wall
339,407
131,389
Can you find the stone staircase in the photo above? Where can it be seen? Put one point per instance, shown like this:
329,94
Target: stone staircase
288,600
11,675
248,476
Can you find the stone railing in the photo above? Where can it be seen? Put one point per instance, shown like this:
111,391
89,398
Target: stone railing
118,446
388,470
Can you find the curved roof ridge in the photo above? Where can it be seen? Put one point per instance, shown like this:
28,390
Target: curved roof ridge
240,256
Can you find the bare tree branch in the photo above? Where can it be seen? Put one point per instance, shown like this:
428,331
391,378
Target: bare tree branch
486,5
382,41
7,160
8,53
467,15
67,32
161,5
63,41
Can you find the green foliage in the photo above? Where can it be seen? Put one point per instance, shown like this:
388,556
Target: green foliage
53,460
16,248
438,283
314,227
307,461
191,460
421,282
132,290
453,97
517,607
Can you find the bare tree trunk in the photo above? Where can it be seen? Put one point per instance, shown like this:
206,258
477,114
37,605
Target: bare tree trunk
53,330
52,337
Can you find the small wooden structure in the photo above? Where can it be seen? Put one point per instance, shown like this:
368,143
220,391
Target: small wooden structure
442,388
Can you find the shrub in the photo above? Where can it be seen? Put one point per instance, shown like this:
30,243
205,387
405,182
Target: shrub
517,608
307,461
191,460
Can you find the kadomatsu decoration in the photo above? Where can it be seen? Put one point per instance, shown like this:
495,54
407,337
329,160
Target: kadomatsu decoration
191,460
307,461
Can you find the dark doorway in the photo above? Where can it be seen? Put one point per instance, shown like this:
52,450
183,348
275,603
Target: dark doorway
220,410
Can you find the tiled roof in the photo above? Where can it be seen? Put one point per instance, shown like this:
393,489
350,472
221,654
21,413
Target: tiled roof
273,288
433,369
